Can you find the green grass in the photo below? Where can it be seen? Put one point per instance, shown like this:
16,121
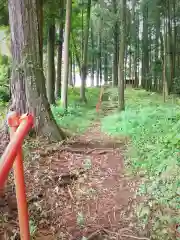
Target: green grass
154,130
79,115
3,107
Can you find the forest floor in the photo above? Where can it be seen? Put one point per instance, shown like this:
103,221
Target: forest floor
117,177
76,190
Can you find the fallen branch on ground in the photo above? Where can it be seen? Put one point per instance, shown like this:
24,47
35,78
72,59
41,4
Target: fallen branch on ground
139,238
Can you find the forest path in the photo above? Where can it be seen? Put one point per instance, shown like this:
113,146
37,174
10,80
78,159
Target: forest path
75,190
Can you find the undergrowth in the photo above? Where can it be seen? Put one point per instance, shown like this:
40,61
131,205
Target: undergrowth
79,115
154,130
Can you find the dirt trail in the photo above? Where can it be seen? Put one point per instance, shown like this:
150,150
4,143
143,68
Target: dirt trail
78,189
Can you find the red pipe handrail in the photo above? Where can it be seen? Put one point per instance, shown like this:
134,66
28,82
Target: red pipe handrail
8,157
19,127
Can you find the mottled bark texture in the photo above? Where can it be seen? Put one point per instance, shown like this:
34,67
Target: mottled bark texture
27,80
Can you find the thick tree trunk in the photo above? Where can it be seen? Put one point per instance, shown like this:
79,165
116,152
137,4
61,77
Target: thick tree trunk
59,52
64,89
28,81
50,83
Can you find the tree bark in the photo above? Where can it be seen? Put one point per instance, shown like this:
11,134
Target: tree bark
121,57
74,69
92,58
28,81
145,52
40,26
105,63
116,46
50,83
64,89
165,85
85,54
76,54
70,77
98,61
59,52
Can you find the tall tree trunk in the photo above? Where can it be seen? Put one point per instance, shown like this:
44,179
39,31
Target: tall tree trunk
145,52
170,47
74,69
85,54
116,46
149,77
76,53
174,37
105,63
50,84
40,26
82,33
136,52
157,36
121,57
165,85
92,58
28,81
130,64
125,65
64,89
59,52
70,69
98,61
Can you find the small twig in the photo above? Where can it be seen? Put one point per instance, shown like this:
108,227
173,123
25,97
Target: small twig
92,235
131,236
110,232
109,220
70,193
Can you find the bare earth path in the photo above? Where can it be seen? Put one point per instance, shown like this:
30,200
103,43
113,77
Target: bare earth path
76,190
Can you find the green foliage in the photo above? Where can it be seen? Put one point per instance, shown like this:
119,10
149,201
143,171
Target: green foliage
154,128
4,18
4,68
4,95
80,219
32,228
79,115
176,86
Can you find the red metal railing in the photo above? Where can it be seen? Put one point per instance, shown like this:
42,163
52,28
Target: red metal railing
12,157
